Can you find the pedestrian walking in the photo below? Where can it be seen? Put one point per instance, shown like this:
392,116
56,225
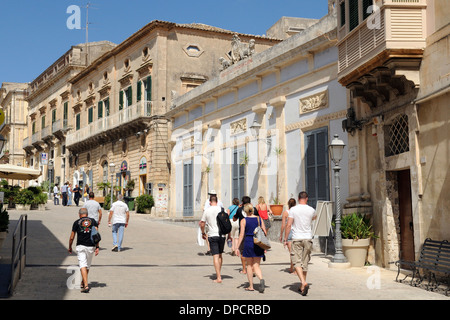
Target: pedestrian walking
86,193
76,194
234,234
56,195
251,252
208,202
300,220
69,195
240,214
64,194
85,248
94,209
264,212
284,220
119,215
216,241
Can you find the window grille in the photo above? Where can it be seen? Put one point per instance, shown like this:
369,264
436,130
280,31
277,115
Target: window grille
398,135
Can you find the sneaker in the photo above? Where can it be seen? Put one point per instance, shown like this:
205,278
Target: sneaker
115,249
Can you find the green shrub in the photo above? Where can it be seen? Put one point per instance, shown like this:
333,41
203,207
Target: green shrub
24,196
144,201
107,203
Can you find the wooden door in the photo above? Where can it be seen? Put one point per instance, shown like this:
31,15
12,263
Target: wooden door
405,216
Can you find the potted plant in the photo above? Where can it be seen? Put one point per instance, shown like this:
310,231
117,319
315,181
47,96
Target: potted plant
129,187
357,231
277,207
24,199
144,203
103,186
40,200
4,223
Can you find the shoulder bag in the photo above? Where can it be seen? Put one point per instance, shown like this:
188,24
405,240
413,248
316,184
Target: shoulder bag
259,237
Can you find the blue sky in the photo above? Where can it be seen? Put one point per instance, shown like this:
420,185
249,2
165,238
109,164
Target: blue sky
34,33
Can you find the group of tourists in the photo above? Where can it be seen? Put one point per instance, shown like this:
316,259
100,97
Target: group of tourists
296,233
67,193
90,216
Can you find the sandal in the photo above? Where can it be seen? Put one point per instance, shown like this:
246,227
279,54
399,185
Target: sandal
248,289
85,290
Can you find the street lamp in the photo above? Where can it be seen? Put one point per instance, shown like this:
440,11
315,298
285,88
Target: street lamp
49,176
254,129
112,168
336,150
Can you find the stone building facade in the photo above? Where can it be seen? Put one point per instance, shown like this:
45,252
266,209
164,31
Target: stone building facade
14,108
394,62
117,104
261,127
47,117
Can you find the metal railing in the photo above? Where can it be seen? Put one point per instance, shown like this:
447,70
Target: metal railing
19,252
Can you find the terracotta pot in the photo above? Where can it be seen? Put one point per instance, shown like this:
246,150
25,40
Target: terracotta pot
277,209
356,251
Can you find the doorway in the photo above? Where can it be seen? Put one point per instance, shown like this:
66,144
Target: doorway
405,216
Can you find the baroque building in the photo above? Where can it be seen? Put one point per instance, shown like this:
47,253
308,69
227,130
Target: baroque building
262,126
394,62
14,109
48,111
114,109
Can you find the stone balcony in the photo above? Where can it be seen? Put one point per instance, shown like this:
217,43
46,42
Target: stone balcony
128,121
397,30
60,128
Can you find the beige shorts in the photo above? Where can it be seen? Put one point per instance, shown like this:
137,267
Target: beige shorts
85,255
301,253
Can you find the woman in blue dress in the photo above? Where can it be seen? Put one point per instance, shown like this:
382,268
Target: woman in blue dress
251,252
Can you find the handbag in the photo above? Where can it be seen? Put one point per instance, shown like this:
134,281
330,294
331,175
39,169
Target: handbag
259,237
95,236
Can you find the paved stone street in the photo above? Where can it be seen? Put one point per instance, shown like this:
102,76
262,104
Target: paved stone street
162,261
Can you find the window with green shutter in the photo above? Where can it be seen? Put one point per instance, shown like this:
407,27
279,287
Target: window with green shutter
353,14
139,91
78,121
33,128
129,95
66,112
342,9
53,115
148,89
366,4
43,122
100,110
90,115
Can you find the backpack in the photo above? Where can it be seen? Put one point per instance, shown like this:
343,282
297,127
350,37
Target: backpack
223,222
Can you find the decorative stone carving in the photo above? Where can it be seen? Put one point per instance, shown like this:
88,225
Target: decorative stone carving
238,126
188,143
314,102
239,51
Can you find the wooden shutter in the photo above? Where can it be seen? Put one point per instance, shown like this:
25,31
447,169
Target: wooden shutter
139,91
90,115
100,110
148,89
78,121
353,14
188,196
238,174
129,96
317,180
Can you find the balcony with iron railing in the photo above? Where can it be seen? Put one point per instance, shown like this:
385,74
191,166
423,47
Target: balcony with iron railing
120,120
397,29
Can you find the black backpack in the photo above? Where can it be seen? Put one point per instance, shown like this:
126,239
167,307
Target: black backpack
223,222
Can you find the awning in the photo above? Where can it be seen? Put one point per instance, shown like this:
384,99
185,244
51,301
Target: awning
9,171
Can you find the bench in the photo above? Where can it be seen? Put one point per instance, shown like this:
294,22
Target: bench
434,260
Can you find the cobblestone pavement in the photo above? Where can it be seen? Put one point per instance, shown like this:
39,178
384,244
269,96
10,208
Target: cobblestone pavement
162,261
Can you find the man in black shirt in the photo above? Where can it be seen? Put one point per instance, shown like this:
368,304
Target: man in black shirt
85,247
76,194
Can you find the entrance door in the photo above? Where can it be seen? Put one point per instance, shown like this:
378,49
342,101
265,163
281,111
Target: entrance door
405,216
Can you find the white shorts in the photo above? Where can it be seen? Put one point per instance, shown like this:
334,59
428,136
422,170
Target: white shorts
234,229
85,255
